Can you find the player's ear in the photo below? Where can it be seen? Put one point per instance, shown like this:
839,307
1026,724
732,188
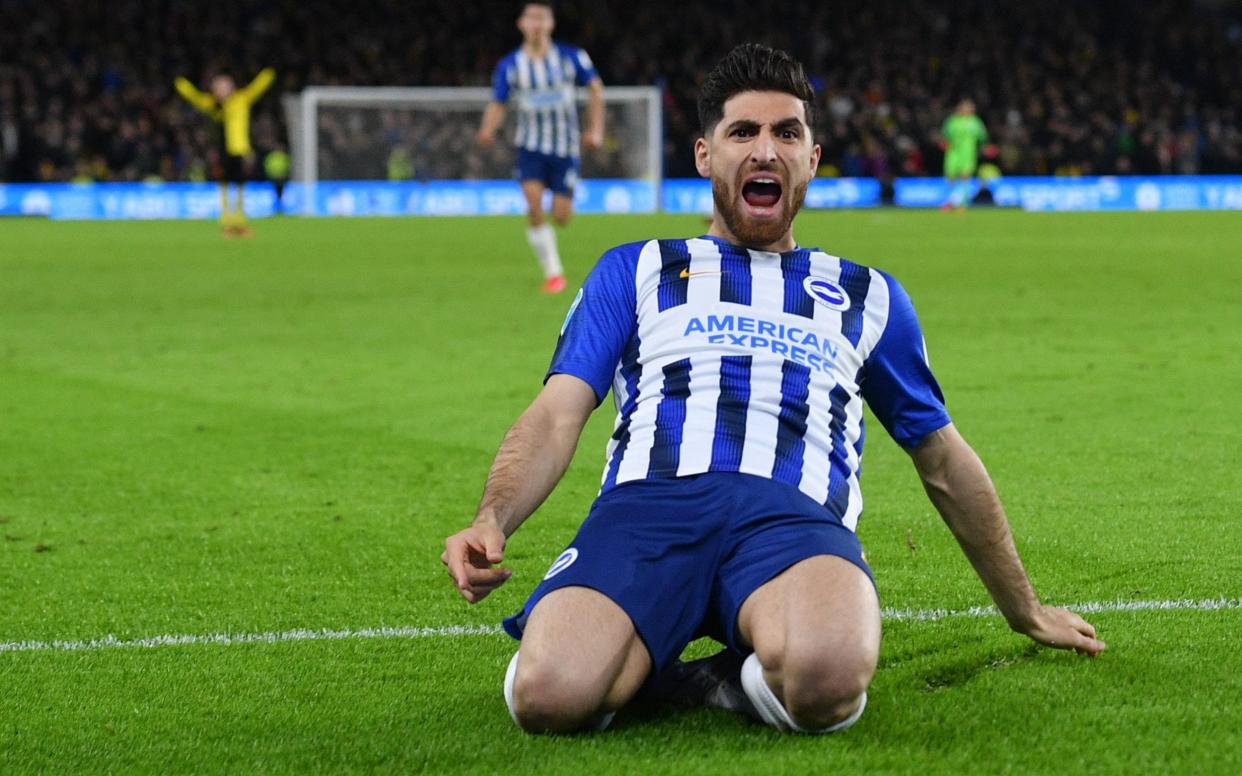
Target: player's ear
702,157
816,152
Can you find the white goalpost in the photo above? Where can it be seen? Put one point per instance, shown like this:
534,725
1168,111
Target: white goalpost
426,135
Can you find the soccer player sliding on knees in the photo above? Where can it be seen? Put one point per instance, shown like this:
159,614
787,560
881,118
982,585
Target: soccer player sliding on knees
739,362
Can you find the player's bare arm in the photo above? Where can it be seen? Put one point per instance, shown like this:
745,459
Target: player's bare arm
594,135
962,492
532,458
493,117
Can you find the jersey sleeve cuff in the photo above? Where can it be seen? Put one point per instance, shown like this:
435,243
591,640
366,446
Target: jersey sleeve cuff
910,437
583,374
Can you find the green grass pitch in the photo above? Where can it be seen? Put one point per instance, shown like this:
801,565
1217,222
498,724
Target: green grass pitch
201,436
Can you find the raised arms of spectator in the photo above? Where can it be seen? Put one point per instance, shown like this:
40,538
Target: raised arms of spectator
201,100
252,91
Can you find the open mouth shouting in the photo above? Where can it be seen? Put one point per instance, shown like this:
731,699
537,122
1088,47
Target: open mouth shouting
759,211
761,192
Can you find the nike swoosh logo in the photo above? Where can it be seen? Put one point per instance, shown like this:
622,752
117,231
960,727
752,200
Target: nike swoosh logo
685,273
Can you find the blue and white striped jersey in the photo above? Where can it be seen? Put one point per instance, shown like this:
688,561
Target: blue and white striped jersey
543,90
722,358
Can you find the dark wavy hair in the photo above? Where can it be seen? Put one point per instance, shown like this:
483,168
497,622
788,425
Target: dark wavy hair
752,67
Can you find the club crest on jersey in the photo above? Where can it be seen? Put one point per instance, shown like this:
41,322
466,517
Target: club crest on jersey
827,293
562,562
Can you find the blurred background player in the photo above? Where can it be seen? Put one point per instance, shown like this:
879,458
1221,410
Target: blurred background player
964,134
540,77
229,107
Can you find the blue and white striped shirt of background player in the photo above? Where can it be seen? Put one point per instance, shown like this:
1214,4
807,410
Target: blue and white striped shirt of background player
722,358
543,90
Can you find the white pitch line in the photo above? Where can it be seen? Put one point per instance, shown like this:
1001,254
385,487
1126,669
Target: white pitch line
446,631
1087,607
225,639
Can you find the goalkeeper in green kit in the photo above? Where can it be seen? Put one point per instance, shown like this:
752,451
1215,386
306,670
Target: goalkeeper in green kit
963,134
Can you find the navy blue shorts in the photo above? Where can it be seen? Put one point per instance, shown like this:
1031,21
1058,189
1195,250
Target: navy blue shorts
558,173
682,555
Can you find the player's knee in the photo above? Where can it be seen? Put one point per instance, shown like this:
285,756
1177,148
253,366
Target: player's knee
818,707
547,700
822,688
562,218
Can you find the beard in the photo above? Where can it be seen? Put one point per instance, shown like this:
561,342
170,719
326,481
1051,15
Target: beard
751,232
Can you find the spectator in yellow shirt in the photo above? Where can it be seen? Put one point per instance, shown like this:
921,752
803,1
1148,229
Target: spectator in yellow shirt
229,107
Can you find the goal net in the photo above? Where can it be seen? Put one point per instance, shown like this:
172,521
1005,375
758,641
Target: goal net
423,138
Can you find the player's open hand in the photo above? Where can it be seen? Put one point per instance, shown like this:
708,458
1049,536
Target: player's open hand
471,557
485,139
593,139
1062,629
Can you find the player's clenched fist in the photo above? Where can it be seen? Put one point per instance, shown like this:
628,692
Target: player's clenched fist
470,557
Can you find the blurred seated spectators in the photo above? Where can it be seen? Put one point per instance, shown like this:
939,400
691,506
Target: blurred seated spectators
1064,87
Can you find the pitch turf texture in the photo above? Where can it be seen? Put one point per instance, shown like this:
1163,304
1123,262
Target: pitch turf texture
200,436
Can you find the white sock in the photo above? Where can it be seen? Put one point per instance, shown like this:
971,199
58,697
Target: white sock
511,678
543,242
773,712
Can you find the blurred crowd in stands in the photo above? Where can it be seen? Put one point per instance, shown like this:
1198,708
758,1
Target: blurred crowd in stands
1065,87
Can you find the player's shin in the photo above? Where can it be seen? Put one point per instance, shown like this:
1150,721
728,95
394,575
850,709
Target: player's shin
224,205
773,712
543,242
961,194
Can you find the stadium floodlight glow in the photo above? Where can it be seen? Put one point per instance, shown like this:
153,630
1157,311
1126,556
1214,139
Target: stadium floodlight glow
376,133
